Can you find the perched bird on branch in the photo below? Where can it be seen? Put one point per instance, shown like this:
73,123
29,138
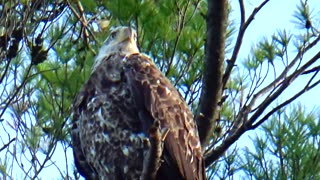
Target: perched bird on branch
114,111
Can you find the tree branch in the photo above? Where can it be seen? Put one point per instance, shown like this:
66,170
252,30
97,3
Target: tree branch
248,124
152,160
280,78
286,82
315,69
6,145
213,70
242,29
305,89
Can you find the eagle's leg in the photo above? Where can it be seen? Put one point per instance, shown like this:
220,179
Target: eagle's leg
152,160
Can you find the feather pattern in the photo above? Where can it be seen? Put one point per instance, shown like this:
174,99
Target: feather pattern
158,97
112,115
106,133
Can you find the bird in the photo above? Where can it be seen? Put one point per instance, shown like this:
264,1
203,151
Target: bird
113,112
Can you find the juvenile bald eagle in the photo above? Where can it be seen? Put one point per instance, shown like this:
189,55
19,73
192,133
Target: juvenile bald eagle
114,110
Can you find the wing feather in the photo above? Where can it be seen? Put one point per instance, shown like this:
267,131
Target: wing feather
159,97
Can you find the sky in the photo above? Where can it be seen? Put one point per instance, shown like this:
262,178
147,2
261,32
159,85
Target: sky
277,14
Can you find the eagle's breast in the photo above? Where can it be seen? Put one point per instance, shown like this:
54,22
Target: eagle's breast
107,126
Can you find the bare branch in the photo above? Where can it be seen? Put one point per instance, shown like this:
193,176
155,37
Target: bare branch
284,85
242,12
305,89
6,145
315,69
180,26
278,80
248,124
17,90
242,30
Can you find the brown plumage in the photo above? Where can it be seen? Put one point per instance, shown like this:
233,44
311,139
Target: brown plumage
113,112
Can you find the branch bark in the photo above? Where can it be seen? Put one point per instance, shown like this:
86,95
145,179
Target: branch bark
213,70
152,161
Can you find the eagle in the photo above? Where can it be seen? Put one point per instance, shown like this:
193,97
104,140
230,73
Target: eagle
112,115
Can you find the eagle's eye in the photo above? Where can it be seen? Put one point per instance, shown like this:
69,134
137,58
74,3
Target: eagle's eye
135,37
113,35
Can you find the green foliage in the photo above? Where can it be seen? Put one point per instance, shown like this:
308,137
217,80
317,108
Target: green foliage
225,169
58,50
89,5
33,137
47,49
253,88
288,148
303,15
3,166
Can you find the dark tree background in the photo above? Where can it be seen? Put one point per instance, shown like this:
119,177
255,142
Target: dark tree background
47,49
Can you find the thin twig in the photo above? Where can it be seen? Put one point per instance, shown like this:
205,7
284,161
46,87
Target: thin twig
6,145
248,124
242,30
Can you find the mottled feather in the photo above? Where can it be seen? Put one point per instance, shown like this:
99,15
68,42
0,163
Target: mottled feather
159,97
115,109
107,134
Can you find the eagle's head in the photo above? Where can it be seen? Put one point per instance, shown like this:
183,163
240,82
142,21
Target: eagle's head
122,40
